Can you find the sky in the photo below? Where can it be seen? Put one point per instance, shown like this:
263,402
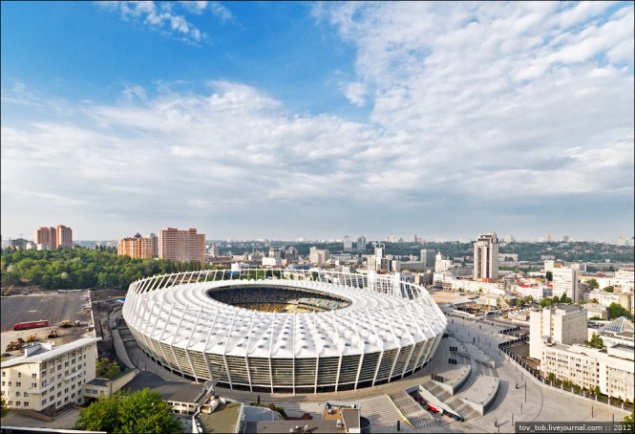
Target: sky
258,120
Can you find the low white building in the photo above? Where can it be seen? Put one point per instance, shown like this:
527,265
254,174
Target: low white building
537,292
611,369
46,378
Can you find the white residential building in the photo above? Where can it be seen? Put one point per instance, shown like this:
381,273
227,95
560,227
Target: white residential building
562,324
565,280
318,256
48,377
611,369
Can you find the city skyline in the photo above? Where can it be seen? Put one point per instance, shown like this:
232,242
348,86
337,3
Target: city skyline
311,120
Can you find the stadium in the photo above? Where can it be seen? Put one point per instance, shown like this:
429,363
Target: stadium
285,331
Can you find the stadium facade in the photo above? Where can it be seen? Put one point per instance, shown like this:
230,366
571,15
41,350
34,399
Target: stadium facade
285,331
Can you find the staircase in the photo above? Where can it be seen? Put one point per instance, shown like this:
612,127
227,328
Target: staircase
412,410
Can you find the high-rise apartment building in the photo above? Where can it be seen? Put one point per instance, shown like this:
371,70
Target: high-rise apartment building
486,257
181,245
64,237
361,244
562,324
52,238
565,281
428,258
348,243
139,247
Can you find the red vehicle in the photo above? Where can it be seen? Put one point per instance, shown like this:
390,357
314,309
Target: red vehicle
31,324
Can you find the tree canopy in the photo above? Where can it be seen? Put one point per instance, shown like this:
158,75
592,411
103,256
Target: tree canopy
107,368
128,413
595,342
81,268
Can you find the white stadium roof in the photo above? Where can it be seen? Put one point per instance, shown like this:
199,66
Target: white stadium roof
185,316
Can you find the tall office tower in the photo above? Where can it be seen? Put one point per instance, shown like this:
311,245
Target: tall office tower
562,324
361,244
486,257
181,245
64,237
348,243
427,257
138,246
565,281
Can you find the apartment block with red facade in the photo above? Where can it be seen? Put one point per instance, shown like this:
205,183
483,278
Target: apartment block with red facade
181,245
138,246
51,238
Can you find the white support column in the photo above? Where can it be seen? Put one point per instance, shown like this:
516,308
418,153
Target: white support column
273,324
251,327
209,334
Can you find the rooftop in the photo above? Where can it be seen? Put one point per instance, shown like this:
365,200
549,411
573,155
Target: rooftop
223,420
41,353
169,390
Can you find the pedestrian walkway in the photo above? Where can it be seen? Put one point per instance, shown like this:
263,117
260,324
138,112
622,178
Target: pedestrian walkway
411,410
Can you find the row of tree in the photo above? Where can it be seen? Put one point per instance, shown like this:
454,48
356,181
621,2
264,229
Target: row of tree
81,268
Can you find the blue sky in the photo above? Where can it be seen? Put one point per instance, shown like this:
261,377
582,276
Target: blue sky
287,120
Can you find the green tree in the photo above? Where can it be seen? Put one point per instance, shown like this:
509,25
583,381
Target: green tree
616,310
107,368
128,413
549,276
595,342
593,284
608,288
4,410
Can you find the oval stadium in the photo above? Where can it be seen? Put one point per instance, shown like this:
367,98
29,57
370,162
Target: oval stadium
285,331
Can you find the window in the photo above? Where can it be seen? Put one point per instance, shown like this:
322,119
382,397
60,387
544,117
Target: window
59,394
26,403
18,384
9,383
4,374
66,364
72,395
44,373
43,402
33,385
26,394
34,376
66,399
19,374
17,394
18,403
3,383
10,403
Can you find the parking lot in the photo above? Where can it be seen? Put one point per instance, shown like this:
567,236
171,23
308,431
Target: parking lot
55,307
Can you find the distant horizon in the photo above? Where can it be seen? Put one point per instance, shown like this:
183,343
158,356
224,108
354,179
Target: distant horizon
255,120
409,239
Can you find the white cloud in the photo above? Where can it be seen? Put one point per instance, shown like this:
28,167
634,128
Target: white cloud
162,16
506,101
